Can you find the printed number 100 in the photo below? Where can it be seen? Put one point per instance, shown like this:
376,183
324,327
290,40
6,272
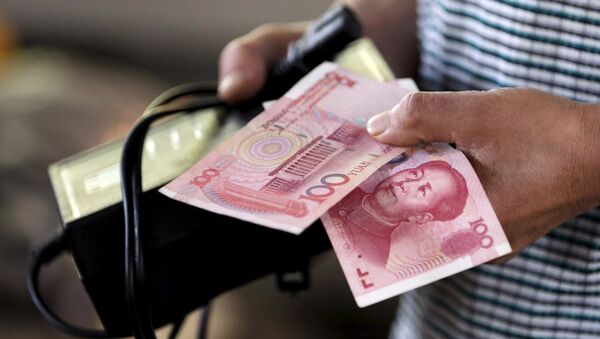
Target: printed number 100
319,193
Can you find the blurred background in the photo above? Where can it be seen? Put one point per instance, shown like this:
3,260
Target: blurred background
74,74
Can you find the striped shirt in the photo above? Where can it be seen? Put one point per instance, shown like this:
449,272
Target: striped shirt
552,289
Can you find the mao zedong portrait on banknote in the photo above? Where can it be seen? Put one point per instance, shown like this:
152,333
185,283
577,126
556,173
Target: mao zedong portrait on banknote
410,198
421,217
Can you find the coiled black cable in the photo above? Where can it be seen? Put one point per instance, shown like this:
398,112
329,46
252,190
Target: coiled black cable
327,36
46,254
131,185
131,188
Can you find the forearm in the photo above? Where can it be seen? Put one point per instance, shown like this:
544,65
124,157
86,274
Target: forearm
391,24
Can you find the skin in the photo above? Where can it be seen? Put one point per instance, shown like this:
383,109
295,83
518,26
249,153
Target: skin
244,62
536,154
412,191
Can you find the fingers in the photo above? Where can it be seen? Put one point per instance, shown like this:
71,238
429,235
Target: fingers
428,117
244,62
242,71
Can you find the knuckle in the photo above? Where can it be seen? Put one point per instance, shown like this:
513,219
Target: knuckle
501,96
471,106
500,91
238,50
407,114
234,46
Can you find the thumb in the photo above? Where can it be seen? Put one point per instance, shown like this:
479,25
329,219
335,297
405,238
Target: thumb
425,117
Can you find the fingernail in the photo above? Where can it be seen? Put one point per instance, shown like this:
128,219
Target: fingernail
230,82
378,123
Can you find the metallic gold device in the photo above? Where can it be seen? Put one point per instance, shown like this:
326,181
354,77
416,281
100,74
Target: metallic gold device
186,263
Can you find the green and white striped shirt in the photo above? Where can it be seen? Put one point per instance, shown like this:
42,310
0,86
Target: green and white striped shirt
552,289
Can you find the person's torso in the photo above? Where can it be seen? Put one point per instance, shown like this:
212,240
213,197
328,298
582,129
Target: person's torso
481,44
552,289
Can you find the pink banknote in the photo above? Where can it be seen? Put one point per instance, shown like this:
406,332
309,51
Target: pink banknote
295,160
422,217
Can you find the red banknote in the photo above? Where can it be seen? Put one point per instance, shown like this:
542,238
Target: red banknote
298,158
420,218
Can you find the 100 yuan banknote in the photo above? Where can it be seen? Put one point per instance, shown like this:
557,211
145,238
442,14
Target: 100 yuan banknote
295,160
420,218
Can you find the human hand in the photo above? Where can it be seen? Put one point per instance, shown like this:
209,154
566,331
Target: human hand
244,62
536,154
